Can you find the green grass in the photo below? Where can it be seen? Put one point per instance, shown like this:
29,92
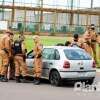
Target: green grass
47,41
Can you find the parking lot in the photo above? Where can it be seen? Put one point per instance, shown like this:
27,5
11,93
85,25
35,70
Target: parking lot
28,91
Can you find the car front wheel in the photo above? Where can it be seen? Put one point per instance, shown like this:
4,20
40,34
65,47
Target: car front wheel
55,78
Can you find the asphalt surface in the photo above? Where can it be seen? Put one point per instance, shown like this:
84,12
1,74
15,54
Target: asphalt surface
28,91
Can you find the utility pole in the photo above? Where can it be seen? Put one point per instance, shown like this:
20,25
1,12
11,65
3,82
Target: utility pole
71,15
91,9
3,1
40,16
13,13
92,3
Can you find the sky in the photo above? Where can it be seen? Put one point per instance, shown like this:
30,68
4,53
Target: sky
60,3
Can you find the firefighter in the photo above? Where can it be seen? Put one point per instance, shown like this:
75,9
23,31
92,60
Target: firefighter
5,54
85,42
93,40
37,60
19,60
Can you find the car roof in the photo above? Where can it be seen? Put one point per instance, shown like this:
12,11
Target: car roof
61,47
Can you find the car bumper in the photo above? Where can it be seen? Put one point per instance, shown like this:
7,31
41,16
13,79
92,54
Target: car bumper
72,75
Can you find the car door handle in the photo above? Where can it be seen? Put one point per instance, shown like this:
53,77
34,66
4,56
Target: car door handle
81,68
51,63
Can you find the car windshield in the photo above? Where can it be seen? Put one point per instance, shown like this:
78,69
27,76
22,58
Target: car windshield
76,54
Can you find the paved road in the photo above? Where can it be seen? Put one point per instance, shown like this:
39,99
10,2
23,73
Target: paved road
28,91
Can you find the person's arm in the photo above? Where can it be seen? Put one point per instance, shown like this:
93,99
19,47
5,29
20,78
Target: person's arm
24,49
39,51
8,46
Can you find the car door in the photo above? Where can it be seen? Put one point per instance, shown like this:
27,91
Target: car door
29,62
48,60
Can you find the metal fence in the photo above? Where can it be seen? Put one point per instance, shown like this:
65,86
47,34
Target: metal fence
55,20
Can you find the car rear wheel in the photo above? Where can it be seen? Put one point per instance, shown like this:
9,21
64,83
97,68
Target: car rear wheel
90,82
55,78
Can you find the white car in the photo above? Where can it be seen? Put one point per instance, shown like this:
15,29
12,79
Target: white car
62,63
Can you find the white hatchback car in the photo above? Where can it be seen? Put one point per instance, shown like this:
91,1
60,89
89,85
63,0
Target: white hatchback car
62,63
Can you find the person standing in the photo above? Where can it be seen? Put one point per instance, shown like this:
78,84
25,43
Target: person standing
19,60
93,40
85,42
37,60
5,54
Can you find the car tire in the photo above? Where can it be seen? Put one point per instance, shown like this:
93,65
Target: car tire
89,81
55,78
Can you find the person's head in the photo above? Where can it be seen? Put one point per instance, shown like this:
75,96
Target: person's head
21,38
36,38
92,27
76,37
9,33
67,43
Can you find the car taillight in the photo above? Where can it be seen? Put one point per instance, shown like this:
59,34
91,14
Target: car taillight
94,64
66,64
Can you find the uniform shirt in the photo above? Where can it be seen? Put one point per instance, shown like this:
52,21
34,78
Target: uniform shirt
93,36
5,42
87,36
38,49
83,44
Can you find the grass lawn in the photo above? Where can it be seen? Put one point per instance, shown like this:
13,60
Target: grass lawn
46,40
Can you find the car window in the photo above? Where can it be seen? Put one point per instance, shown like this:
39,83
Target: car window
49,54
73,54
57,55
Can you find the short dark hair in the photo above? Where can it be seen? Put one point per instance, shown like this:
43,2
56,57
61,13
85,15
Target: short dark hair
67,43
76,36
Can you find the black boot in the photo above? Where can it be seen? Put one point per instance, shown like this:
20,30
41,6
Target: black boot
3,79
36,81
25,79
18,79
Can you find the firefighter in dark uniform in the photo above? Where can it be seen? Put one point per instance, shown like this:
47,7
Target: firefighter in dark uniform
19,60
